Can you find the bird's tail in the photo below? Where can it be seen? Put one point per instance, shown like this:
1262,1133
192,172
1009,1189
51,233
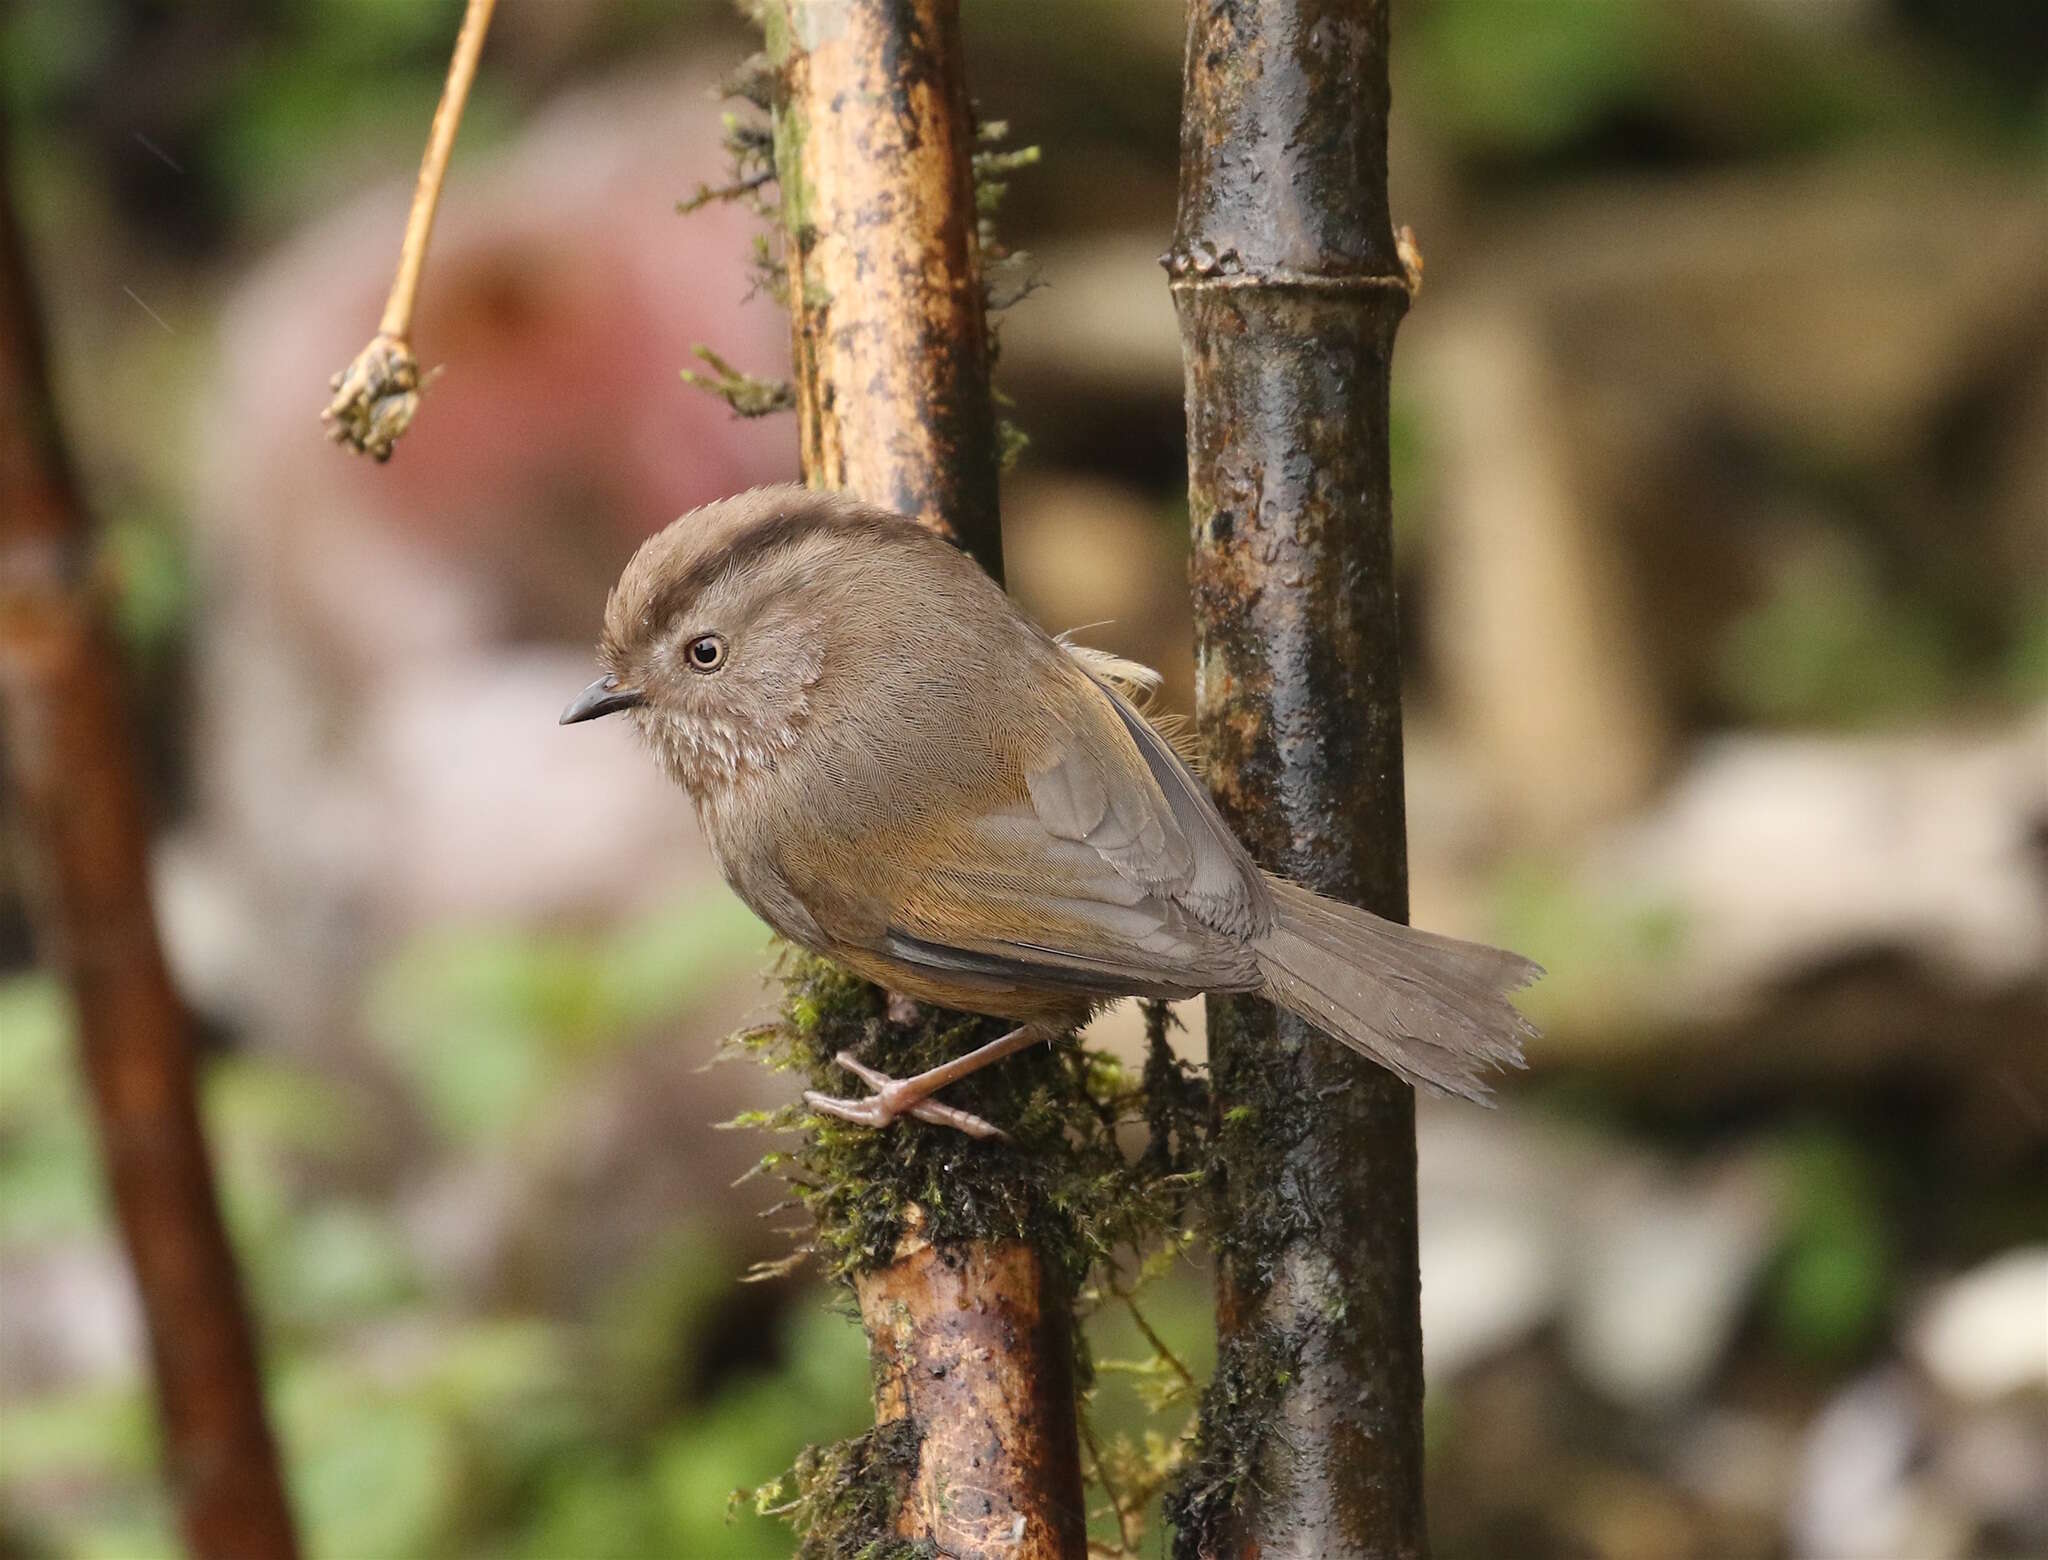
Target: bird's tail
1432,1009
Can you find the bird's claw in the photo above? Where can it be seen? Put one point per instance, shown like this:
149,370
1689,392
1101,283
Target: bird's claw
894,1098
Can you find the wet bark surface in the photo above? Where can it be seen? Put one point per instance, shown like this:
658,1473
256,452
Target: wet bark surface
1289,288
80,823
968,1344
873,155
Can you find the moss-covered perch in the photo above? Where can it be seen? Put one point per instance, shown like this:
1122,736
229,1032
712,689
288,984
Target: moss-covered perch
962,1255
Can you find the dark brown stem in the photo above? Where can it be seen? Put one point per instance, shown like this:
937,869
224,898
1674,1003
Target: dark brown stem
83,832
1289,286
873,150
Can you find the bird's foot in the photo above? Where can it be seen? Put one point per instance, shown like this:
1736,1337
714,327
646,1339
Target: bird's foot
893,1098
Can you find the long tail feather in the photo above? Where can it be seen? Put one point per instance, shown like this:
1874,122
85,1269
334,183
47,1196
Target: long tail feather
1430,1008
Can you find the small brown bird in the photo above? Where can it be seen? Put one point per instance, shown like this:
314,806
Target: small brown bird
899,770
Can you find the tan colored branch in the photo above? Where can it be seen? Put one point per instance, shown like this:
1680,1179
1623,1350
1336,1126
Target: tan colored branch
377,395
885,284
78,810
874,144
972,1347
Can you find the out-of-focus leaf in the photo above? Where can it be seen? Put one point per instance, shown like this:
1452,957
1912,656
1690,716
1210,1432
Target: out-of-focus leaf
49,1178
79,1436
487,1024
154,595
2026,668
282,1108
1827,646
650,1327
273,1127
381,1482
431,1426
1599,956
345,1263
1833,1282
594,1509
50,47
125,1538
35,1029
1566,65
1501,80
747,1436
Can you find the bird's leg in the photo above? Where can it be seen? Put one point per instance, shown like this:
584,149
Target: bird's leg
895,1097
872,1112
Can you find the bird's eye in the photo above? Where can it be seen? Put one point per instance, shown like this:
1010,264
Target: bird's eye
706,653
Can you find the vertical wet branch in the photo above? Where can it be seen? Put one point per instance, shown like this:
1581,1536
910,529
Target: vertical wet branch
874,138
82,827
1289,286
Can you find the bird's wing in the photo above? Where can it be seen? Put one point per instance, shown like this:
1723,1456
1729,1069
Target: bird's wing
1222,886
1100,867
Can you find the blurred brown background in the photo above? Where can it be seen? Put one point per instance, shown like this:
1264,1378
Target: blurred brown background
1722,464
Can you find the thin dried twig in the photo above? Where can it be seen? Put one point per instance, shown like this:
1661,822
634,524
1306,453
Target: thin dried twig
377,395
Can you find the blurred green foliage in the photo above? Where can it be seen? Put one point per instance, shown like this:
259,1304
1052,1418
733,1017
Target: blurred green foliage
1832,1285
410,1427
2026,668
1829,646
1599,954
146,550
47,1188
1509,83
486,1024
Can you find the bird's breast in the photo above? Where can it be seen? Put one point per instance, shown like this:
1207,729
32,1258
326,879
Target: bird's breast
744,836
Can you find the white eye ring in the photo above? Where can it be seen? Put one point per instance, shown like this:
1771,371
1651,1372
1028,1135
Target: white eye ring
705,653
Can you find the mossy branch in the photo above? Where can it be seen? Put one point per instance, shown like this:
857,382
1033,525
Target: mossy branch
736,189
841,1499
1007,277
965,1256
1289,284
1063,1184
1239,1414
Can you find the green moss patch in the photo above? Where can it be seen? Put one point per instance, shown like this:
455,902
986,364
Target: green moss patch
841,1500
1060,1182
1239,1407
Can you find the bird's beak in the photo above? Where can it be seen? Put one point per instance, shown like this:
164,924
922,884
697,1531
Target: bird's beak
602,697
